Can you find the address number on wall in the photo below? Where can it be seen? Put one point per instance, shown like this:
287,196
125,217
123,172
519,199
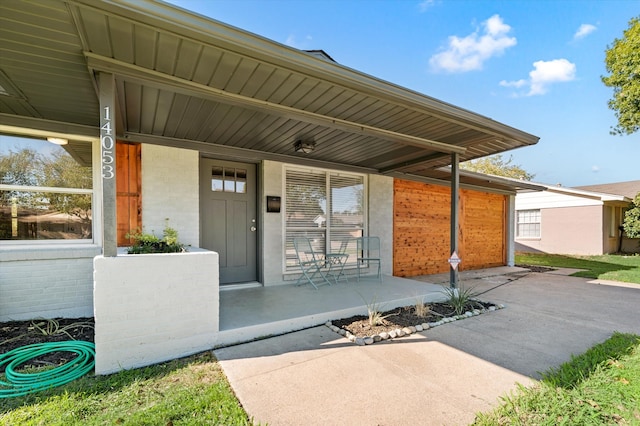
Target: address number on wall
106,140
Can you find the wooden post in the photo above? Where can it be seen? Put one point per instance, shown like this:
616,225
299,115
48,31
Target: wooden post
106,86
455,220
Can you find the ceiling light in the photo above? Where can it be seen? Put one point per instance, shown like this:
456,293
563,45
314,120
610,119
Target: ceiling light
58,141
306,147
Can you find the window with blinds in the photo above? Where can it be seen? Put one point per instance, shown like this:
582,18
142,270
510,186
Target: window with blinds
327,207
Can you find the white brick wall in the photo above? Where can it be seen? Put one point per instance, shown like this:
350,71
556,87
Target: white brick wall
381,217
46,282
170,189
272,224
154,307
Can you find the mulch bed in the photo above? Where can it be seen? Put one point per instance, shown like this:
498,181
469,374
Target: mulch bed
15,334
402,317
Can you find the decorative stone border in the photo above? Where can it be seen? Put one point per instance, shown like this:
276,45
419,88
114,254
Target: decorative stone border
406,331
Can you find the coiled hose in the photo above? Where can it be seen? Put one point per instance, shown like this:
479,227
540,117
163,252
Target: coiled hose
19,384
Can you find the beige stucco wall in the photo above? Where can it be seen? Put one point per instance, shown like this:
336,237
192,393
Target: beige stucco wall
568,230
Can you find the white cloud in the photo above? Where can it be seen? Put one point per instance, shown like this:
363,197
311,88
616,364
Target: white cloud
425,4
549,72
517,84
543,75
595,169
292,41
584,30
469,53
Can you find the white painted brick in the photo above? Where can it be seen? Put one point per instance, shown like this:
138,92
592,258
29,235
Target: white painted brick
164,312
47,284
167,171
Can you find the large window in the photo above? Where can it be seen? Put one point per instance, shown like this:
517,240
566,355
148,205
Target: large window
528,224
45,190
327,207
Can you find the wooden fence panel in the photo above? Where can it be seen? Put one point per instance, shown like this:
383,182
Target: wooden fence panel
422,225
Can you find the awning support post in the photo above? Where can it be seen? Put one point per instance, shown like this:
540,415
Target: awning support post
455,185
106,85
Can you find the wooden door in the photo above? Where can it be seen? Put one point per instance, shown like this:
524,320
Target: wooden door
128,190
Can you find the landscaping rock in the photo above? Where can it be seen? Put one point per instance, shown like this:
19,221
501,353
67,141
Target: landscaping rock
404,327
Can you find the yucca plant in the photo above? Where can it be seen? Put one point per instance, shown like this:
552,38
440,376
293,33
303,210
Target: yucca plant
459,298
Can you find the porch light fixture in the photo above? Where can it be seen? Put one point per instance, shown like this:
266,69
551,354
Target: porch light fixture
58,141
305,147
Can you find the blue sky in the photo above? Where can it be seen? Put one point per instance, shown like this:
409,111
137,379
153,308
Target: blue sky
533,65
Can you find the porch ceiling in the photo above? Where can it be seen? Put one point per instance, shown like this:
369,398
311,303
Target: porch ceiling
186,80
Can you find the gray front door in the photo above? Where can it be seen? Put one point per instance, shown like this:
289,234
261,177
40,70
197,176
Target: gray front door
228,217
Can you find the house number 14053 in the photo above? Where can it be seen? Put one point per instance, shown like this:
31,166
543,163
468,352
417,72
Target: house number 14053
107,146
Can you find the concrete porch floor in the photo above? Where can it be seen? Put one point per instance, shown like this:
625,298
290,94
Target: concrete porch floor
257,312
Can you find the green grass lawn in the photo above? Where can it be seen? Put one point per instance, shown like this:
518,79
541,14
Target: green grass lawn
606,267
189,391
600,387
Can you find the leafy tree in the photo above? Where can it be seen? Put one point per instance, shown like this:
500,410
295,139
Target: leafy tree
23,167
632,219
623,63
496,165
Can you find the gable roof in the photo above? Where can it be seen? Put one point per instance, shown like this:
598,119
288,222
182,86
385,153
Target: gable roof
628,189
189,81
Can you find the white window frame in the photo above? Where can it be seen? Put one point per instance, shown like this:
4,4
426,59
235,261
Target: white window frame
289,269
96,202
518,223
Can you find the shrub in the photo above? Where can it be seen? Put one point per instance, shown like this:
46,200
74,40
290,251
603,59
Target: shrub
149,243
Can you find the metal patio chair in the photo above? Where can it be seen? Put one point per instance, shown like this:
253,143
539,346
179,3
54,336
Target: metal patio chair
368,254
336,261
311,264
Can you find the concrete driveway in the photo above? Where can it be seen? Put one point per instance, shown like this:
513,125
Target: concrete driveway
442,376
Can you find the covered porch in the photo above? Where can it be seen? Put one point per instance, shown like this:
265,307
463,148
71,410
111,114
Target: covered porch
250,313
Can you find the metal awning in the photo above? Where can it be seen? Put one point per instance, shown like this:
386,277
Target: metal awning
186,80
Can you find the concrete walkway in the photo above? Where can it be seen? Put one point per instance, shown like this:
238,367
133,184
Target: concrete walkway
439,377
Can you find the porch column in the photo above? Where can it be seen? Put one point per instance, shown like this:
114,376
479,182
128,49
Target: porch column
106,87
455,185
511,235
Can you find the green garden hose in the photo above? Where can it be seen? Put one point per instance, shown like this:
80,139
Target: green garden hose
19,384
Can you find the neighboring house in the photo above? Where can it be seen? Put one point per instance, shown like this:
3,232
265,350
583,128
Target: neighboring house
241,143
583,220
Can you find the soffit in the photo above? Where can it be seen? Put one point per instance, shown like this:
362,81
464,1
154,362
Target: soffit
181,77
